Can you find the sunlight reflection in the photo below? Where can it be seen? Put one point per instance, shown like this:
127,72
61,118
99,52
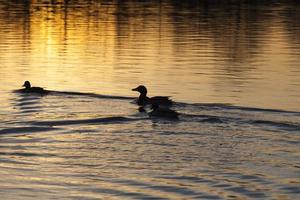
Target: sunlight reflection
193,56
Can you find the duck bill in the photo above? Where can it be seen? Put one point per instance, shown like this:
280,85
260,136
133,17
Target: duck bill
23,85
135,89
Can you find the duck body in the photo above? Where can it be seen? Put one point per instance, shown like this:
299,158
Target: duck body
144,100
33,90
163,112
29,89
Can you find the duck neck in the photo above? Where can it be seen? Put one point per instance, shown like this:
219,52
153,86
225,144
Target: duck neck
142,99
143,95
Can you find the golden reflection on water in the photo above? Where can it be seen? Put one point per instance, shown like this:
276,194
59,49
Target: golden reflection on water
194,52
191,51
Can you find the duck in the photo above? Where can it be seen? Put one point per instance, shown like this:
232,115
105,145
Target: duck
29,89
163,112
144,100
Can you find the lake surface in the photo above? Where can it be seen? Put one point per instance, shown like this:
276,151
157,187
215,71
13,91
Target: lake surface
232,69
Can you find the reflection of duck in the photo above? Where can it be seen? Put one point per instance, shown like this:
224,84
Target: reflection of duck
144,100
163,112
29,89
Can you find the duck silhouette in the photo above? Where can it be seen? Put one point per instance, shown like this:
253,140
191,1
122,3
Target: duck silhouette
144,100
29,89
163,112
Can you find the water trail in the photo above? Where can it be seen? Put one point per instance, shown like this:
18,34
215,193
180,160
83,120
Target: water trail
31,129
104,120
69,93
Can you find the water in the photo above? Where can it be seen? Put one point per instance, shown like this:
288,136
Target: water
232,69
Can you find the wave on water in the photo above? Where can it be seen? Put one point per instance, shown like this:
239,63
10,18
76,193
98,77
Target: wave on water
213,145
226,106
31,129
278,125
70,93
201,113
85,121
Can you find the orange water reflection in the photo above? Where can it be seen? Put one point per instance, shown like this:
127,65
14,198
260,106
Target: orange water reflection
197,52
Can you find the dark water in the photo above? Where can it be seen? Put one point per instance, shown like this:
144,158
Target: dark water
232,69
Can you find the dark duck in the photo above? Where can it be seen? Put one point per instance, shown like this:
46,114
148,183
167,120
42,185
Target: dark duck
29,89
144,100
163,112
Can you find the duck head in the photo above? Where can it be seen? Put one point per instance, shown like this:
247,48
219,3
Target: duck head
27,84
141,89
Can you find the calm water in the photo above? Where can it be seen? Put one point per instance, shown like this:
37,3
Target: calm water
233,70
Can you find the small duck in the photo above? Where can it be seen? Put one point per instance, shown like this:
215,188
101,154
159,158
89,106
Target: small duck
163,112
144,100
29,89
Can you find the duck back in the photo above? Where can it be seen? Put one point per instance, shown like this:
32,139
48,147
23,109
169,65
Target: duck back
37,90
161,100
